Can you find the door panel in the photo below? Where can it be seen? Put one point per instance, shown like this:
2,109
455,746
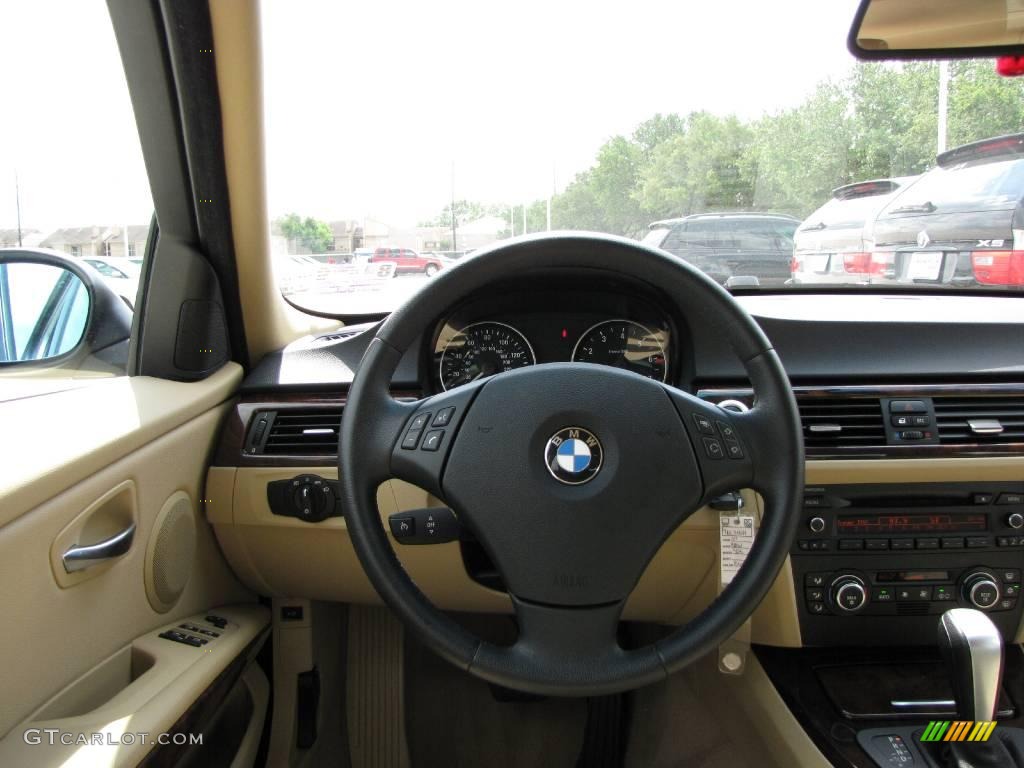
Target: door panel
137,441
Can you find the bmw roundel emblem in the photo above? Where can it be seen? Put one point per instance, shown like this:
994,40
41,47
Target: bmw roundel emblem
573,455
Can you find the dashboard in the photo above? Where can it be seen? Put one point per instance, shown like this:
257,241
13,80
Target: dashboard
582,321
895,527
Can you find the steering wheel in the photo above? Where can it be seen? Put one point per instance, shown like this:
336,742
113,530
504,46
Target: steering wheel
571,476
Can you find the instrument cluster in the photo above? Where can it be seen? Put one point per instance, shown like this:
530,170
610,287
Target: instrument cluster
514,330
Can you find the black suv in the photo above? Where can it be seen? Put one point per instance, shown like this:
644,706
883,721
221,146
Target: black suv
961,223
735,249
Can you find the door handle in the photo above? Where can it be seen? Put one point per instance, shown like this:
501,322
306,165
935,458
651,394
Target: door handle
78,558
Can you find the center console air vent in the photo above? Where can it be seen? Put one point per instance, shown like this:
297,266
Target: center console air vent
308,431
841,422
980,419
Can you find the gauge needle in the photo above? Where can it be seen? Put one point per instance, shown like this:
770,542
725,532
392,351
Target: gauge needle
477,376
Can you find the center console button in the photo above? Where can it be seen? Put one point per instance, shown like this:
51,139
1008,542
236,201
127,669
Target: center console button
978,542
848,593
948,543
980,590
943,594
815,594
815,579
876,544
1010,498
1010,575
816,608
982,498
882,594
851,543
927,543
902,543
907,406
914,594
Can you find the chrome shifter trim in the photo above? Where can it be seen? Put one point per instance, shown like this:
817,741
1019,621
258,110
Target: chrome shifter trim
974,632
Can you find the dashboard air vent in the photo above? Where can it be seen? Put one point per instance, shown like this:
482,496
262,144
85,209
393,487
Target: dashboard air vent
297,432
980,419
841,422
339,335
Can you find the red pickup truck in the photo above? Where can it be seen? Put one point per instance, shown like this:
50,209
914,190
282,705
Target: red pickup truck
407,260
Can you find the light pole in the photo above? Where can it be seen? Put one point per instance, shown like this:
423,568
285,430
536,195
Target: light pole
454,245
17,204
943,104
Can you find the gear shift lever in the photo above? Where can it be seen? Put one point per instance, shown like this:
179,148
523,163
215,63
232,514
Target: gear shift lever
973,649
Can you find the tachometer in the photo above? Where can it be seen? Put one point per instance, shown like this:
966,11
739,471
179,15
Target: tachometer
483,349
624,344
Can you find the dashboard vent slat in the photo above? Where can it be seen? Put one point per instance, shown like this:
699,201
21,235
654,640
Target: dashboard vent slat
311,431
838,422
964,419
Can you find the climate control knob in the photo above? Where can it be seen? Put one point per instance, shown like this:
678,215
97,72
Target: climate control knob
848,593
980,589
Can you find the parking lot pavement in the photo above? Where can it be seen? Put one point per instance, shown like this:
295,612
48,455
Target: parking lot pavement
358,294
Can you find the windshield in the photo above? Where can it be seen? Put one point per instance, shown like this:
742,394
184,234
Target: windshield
398,146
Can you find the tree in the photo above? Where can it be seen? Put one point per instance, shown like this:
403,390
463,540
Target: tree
465,211
982,103
657,130
800,155
879,121
707,167
311,234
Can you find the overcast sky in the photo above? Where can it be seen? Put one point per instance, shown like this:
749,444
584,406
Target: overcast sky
369,104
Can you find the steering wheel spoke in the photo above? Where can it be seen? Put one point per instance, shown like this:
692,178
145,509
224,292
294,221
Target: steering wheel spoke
723,442
423,437
557,644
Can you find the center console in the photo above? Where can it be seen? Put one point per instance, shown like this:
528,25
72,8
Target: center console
877,564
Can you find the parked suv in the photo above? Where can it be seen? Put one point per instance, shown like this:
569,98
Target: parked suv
732,248
962,223
831,246
407,260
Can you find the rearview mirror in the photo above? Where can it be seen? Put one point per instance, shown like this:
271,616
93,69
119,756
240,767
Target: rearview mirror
57,312
928,29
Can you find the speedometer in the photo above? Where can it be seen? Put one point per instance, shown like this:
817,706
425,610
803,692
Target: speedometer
483,349
624,344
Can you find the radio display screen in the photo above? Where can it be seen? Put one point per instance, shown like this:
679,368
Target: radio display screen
938,522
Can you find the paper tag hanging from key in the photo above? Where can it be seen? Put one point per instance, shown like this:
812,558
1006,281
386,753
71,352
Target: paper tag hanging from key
736,537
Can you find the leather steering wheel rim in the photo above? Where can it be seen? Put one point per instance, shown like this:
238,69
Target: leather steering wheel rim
568,619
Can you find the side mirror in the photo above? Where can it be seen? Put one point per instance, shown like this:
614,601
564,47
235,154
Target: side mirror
57,312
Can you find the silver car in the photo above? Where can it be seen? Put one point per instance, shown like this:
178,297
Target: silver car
834,244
